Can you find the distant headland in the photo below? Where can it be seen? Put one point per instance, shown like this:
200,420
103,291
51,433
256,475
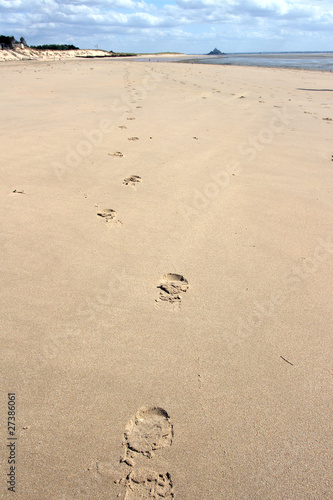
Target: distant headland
216,52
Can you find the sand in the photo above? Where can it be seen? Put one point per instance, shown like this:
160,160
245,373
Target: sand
27,53
166,280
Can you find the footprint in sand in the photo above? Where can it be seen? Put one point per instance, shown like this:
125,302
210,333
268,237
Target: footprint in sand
148,430
171,287
122,126
132,180
109,215
116,154
131,118
133,138
145,484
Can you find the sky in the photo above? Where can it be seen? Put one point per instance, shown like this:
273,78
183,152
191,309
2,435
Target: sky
190,26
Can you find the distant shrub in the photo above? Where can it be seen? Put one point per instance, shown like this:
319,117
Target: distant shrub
54,46
7,41
123,54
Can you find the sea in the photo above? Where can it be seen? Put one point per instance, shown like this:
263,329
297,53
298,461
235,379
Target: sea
318,61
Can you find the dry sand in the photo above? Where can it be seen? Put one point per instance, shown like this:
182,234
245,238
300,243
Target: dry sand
218,384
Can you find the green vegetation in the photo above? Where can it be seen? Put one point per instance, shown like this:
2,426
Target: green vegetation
7,41
107,54
122,54
54,46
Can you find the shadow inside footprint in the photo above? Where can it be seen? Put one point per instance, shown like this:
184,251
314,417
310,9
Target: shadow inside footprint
172,286
116,154
109,215
132,180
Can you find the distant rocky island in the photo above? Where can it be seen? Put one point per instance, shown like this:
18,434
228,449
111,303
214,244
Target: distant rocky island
216,52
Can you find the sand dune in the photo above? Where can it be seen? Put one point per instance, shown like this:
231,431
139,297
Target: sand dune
49,55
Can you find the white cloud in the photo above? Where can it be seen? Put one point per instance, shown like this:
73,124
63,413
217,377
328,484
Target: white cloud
290,21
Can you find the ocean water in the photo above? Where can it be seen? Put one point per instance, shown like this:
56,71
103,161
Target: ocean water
319,61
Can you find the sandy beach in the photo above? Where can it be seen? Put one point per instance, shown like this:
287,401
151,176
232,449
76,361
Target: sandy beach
167,277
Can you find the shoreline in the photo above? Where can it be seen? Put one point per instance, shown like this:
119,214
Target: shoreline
259,66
